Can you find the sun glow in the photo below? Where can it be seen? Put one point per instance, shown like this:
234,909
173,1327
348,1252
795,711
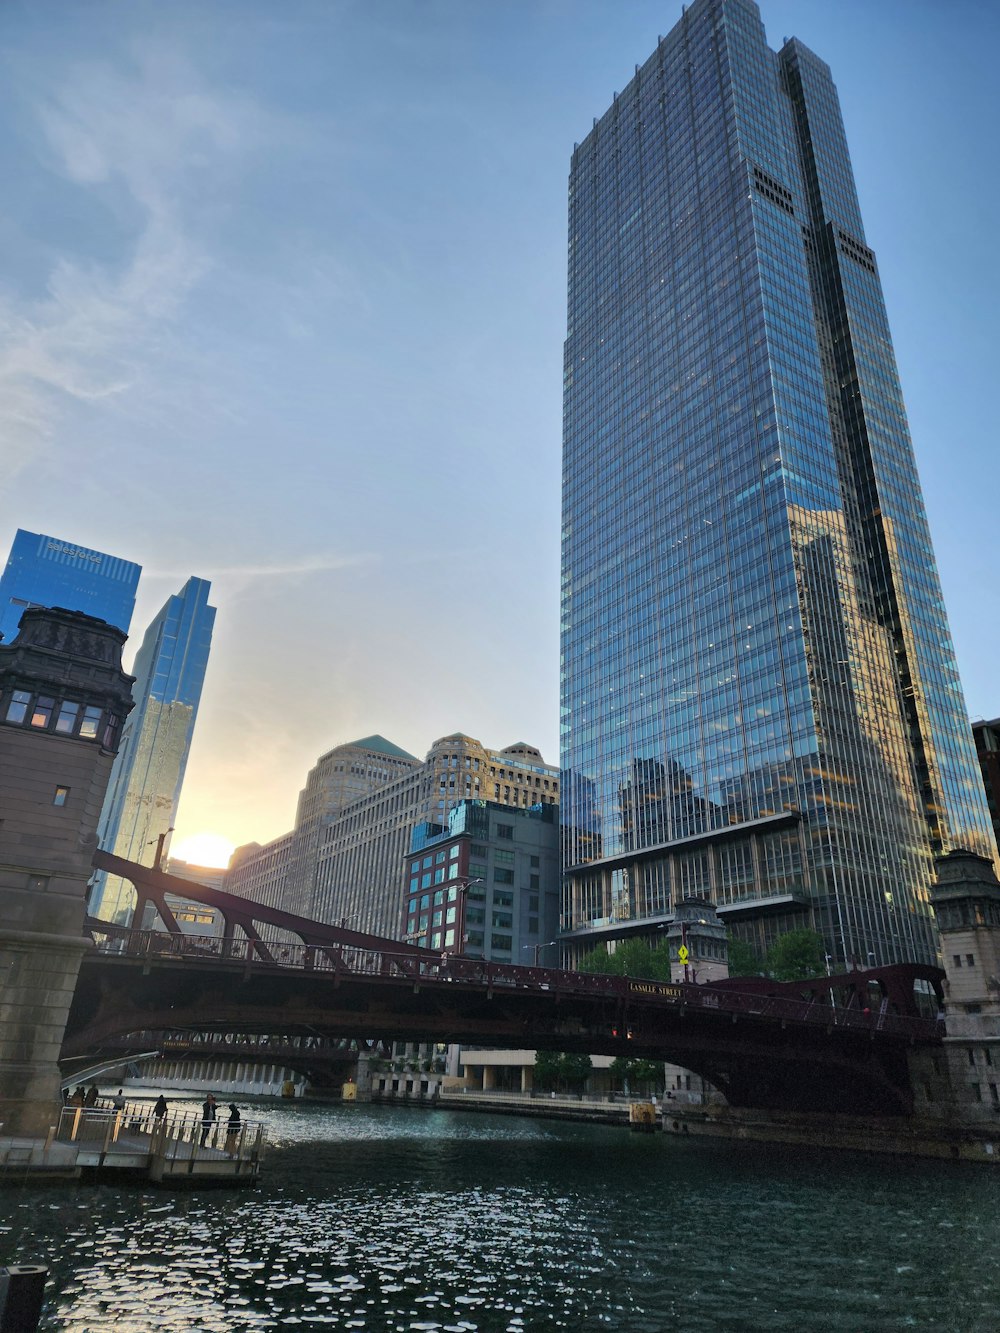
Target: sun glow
203,849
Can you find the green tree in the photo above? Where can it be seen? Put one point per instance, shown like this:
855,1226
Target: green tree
631,958
636,1074
546,1074
562,1072
796,956
575,1070
743,959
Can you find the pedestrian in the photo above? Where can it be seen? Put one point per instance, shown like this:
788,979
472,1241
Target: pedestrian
118,1101
207,1117
79,1095
232,1128
160,1109
92,1095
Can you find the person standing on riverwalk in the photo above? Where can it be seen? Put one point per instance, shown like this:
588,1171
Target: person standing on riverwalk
207,1117
233,1127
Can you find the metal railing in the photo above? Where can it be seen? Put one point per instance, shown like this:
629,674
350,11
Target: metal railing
137,1128
448,968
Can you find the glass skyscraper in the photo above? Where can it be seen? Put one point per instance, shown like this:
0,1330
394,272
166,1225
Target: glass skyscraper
760,701
148,771
48,571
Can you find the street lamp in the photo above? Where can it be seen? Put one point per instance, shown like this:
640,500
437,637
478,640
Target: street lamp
538,948
463,885
160,839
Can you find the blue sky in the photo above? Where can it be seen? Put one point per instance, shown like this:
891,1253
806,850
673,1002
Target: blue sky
282,299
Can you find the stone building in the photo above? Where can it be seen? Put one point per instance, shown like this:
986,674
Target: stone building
63,699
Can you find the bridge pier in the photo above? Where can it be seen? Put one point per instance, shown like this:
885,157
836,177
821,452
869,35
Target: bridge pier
63,697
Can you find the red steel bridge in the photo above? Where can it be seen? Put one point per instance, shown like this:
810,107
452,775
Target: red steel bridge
833,1044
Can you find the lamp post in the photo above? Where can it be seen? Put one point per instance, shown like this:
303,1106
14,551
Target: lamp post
159,840
463,885
538,948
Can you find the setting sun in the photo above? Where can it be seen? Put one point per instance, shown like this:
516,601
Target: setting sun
203,849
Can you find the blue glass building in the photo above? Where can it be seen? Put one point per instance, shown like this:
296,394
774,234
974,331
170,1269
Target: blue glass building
760,700
148,773
48,571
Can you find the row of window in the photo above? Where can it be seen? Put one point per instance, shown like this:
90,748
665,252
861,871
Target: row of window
64,717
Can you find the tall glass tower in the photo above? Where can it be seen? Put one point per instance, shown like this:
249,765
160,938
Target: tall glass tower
148,772
760,702
49,571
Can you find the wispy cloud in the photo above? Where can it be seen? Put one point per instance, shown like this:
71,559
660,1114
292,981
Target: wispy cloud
147,140
313,564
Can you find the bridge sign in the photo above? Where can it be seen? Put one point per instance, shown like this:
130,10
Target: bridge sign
683,954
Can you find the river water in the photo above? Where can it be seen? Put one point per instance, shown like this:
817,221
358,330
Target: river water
383,1219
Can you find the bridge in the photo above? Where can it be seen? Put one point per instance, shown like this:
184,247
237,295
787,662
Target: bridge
834,1044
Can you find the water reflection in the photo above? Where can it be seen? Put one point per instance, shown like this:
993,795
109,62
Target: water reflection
392,1219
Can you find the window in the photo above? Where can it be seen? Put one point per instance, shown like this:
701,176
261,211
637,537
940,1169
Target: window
535,861
42,714
500,943
533,925
449,938
17,709
477,849
533,902
61,796
449,915
91,723
66,721
502,920
503,900
505,831
503,858
477,870
453,852
440,858
425,880
439,875
970,961
533,882
502,876
977,1091
110,737
956,958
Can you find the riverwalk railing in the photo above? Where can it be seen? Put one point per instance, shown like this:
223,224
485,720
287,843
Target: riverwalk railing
823,1008
136,1128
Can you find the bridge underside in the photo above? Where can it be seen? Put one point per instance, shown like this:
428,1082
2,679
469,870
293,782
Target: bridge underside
756,1061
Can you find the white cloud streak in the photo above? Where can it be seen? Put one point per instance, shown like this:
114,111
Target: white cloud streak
146,141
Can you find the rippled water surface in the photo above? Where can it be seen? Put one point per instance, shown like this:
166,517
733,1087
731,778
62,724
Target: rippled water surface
379,1218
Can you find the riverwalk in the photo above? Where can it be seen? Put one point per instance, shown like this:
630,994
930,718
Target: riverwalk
90,1143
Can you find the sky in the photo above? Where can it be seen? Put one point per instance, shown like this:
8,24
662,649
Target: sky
282,302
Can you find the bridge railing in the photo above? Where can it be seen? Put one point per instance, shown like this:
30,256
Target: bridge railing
447,967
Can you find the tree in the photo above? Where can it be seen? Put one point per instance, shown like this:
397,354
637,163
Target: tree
796,956
634,1074
631,958
561,1071
546,1070
743,959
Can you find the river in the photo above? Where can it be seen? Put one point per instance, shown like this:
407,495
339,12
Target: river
383,1219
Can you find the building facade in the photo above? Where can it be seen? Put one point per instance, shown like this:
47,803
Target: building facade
987,739
359,871
63,698
145,789
48,571
261,873
487,884
760,700
343,775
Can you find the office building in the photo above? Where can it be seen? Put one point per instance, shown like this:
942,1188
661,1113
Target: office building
360,860
261,873
987,738
487,884
141,804
760,702
340,777
49,571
